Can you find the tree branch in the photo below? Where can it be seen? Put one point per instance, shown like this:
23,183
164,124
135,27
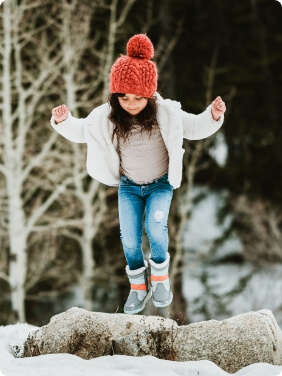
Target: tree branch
36,160
4,276
42,209
168,48
58,224
74,236
124,13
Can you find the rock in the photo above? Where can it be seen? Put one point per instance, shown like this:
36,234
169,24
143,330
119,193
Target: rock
231,344
88,334
75,331
121,325
156,338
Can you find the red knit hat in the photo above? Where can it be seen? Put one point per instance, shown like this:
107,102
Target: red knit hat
134,73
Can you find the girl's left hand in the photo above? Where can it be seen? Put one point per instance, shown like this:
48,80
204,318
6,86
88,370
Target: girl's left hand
217,108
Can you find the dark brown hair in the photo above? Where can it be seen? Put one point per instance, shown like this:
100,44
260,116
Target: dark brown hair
124,122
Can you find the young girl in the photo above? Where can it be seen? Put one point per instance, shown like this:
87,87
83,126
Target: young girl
135,142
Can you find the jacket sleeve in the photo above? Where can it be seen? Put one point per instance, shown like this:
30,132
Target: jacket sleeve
72,128
197,127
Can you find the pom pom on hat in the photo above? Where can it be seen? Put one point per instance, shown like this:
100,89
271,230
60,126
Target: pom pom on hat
134,73
140,46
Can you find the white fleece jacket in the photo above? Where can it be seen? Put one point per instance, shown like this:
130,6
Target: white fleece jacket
103,163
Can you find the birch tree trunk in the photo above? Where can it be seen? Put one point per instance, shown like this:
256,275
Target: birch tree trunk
91,196
20,97
11,167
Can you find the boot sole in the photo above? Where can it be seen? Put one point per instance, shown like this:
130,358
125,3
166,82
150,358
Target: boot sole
139,309
162,304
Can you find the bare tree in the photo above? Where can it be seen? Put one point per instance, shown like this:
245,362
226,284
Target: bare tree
26,198
75,29
76,22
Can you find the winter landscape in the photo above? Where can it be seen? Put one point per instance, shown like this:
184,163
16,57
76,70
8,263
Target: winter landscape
13,336
59,230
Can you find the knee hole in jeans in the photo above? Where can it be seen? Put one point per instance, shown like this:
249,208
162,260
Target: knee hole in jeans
158,215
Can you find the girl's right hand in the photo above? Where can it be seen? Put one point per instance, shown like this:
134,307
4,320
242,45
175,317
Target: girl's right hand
60,113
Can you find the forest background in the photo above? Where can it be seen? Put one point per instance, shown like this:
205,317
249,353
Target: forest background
59,231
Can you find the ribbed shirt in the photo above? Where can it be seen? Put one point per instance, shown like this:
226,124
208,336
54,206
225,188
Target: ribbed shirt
143,156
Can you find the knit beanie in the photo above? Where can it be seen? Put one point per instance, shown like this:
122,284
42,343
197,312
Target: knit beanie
134,73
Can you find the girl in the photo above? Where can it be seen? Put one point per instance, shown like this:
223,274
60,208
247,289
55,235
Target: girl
135,142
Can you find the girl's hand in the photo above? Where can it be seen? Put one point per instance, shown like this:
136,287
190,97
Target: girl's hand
60,113
218,108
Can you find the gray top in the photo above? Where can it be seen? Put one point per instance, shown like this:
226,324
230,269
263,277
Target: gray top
143,155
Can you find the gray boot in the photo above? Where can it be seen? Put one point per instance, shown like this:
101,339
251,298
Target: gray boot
140,291
162,295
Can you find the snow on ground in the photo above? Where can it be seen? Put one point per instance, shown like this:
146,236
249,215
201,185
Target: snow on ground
213,286
117,365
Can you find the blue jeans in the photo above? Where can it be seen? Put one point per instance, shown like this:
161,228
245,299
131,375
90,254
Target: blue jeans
139,203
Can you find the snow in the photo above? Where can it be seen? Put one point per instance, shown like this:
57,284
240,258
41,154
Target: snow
116,365
213,286
219,151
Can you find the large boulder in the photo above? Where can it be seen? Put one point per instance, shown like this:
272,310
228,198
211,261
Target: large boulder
232,344
75,331
88,334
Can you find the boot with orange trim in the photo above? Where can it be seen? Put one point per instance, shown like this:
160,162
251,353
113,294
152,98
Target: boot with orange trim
140,291
162,295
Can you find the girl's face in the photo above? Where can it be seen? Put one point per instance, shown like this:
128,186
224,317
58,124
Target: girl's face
133,104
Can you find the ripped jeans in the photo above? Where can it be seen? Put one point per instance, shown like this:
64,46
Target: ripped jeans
139,204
